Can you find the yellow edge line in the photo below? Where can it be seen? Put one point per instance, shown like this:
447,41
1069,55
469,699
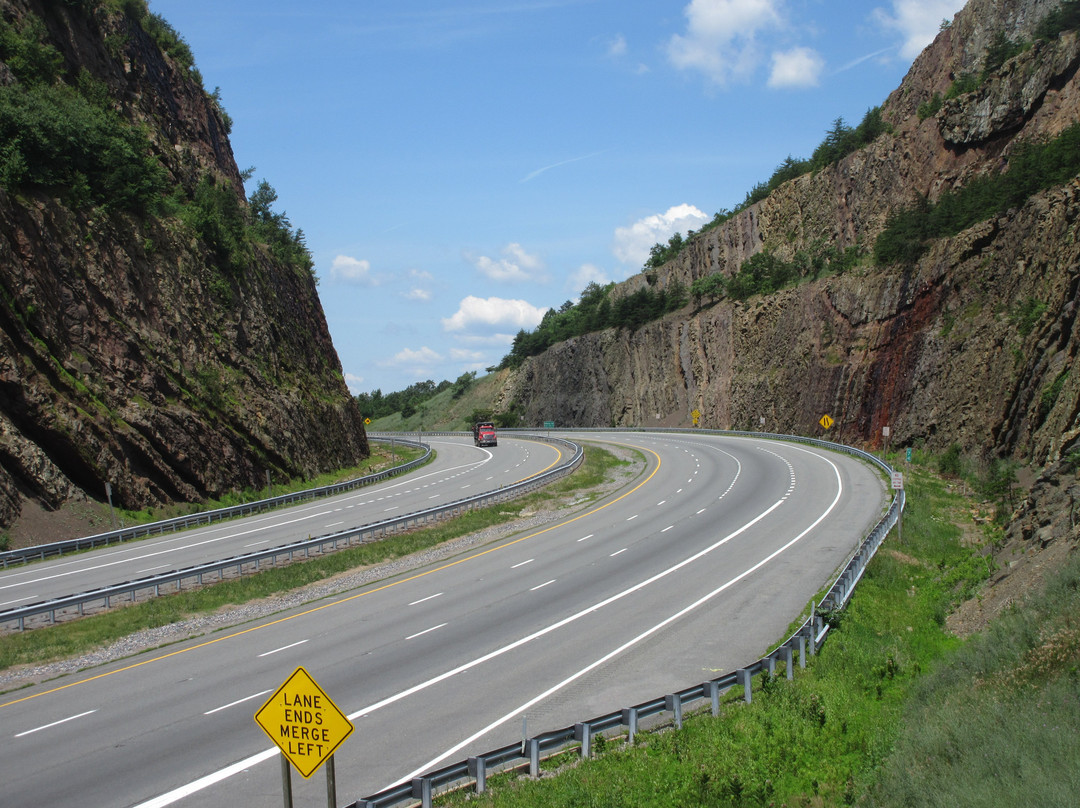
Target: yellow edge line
351,597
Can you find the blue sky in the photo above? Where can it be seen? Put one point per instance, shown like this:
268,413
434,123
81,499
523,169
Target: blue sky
460,166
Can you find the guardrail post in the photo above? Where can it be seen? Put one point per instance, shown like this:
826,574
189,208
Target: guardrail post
788,661
744,679
802,650
674,704
478,771
713,689
629,717
583,733
770,662
421,789
534,757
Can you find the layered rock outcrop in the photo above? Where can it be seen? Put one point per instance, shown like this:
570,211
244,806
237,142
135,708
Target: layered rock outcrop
130,353
973,344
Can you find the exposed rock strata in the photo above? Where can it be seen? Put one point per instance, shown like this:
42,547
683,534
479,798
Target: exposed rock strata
127,354
935,351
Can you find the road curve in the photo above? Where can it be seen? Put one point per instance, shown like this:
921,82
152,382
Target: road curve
458,470
695,567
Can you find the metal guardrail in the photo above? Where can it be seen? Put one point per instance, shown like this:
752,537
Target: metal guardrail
41,551
71,606
803,643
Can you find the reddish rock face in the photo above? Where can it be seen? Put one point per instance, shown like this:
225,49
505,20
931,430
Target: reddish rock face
128,353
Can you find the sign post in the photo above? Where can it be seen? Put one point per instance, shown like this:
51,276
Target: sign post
307,727
898,485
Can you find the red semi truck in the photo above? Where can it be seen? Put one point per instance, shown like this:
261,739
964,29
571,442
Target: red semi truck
484,434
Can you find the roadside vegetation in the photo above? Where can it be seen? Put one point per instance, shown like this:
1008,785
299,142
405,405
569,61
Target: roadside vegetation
77,637
893,711
61,134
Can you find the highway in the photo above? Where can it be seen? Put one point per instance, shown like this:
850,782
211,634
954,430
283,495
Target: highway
458,470
695,567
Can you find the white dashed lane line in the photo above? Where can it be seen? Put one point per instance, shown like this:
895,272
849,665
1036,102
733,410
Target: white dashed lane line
429,597
238,701
425,631
282,648
54,724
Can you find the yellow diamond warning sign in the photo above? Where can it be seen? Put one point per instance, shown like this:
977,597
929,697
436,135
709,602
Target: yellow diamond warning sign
303,722
826,421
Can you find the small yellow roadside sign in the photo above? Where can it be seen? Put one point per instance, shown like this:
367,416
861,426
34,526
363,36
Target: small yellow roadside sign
696,415
305,724
826,421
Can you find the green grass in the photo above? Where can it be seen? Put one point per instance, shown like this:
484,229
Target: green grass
822,739
79,636
999,722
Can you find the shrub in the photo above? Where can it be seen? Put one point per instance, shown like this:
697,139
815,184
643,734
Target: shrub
53,138
214,213
1065,17
928,109
951,463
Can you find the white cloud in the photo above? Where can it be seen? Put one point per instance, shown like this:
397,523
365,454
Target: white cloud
486,340
463,355
352,270
516,265
720,39
616,46
419,295
586,274
918,21
354,383
798,67
423,358
493,314
632,244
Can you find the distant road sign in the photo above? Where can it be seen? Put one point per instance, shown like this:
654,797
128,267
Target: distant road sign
305,724
826,421
696,415
549,424
897,480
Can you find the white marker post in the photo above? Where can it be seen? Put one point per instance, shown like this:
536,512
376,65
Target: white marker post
898,485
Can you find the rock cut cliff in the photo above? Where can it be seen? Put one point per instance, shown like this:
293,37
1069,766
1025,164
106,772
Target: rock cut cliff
149,338
972,344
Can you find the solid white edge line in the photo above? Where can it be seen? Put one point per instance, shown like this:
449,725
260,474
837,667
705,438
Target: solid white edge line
216,777
644,635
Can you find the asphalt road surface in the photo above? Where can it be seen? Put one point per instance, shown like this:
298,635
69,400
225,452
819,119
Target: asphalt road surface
694,568
458,471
